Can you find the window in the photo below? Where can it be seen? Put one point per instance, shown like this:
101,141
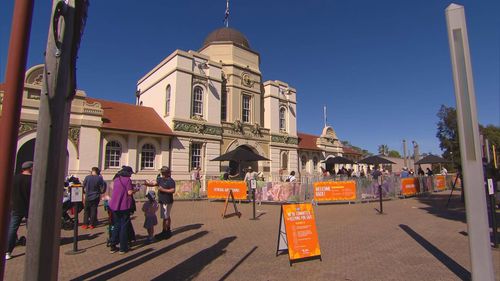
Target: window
223,106
245,114
167,101
148,156
195,155
112,155
198,101
303,162
282,119
284,161
315,164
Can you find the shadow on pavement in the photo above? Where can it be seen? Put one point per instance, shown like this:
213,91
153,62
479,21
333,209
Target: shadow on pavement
190,268
69,240
437,206
144,258
238,264
452,265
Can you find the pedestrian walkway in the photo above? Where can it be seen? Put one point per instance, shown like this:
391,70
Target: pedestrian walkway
416,239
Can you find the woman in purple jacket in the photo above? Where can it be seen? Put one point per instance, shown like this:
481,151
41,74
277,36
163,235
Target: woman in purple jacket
120,204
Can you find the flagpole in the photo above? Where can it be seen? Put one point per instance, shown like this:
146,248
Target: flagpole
324,114
226,16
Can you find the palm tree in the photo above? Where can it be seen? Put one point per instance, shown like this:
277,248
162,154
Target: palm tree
383,149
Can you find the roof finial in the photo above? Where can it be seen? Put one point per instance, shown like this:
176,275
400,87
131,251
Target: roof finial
226,16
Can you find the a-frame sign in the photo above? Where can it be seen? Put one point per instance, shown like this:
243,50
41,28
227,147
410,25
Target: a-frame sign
297,232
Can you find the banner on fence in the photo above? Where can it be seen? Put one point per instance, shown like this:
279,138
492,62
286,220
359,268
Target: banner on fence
409,186
440,182
220,189
298,232
334,191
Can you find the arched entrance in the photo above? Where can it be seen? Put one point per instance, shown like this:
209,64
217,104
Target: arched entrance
26,153
243,165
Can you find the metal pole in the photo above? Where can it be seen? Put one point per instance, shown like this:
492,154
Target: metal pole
59,86
381,211
404,154
11,111
470,146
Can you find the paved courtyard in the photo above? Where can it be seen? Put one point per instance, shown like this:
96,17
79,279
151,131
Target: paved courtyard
417,239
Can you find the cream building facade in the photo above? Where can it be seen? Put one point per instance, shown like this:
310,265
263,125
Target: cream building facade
190,108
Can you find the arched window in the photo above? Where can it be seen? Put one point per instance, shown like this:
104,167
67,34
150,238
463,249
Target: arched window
315,164
148,156
167,101
198,101
282,119
284,161
303,162
112,155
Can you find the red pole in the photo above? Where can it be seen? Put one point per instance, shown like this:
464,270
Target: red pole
11,111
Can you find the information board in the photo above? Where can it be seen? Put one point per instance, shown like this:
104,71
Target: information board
300,232
220,189
440,182
409,186
334,191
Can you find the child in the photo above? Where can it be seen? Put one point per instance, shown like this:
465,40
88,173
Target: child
149,208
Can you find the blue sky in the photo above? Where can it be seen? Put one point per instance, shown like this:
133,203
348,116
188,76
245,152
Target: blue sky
381,67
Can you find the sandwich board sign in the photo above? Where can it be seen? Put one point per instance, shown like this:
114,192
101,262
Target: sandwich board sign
297,232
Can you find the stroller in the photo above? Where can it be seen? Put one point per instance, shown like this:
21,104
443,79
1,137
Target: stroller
67,222
130,229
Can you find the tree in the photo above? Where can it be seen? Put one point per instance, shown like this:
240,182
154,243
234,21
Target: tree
447,133
394,153
492,133
383,149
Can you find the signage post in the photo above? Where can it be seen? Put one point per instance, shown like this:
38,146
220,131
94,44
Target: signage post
76,200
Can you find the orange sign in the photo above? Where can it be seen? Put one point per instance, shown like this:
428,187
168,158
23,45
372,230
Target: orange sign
334,191
409,186
440,182
301,233
220,189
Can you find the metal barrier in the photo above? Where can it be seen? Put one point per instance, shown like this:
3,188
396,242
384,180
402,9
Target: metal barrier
278,191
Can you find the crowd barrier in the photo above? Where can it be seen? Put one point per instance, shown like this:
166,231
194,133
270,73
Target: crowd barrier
317,189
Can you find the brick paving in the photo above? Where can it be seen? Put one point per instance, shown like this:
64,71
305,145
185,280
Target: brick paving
417,239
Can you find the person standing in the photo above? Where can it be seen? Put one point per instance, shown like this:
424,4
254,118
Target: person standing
20,204
429,172
94,186
149,208
196,178
120,204
166,190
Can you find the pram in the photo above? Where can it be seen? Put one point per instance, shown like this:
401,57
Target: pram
67,222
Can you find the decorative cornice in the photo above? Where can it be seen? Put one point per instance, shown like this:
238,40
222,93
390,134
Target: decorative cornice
284,139
74,136
197,128
25,127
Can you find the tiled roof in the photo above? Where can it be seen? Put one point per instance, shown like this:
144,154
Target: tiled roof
307,141
130,117
350,150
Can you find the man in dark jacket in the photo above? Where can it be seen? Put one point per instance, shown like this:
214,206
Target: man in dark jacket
94,186
20,204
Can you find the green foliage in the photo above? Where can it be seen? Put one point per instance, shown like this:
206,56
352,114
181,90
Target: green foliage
383,149
447,133
394,153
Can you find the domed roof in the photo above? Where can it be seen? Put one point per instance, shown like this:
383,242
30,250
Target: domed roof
227,34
